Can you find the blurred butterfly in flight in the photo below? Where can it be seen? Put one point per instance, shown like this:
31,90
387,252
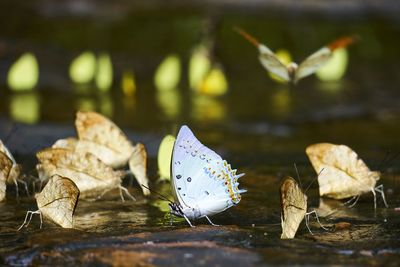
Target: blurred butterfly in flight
203,183
293,72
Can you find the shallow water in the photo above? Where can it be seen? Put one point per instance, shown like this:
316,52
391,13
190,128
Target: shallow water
259,126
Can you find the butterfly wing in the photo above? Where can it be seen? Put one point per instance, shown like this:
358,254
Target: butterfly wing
89,173
138,167
267,58
293,205
343,174
201,179
96,128
58,200
319,58
164,157
5,169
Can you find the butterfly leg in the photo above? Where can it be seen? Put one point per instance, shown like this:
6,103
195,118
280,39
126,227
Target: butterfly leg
28,218
307,218
16,188
379,189
349,201
317,218
213,224
121,188
186,218
25,185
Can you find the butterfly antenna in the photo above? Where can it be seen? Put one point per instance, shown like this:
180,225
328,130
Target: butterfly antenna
308,187
159,194
247,36
298,176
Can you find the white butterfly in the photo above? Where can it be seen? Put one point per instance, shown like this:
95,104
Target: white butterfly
203,183
292,72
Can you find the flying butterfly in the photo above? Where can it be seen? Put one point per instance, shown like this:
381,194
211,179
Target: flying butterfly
203,183
293,72
92,176
345,175
57,202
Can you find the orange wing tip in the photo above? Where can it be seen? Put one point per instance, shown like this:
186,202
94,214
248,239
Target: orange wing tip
343,42
247,36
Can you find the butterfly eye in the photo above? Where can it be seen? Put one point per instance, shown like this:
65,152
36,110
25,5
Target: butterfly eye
179,188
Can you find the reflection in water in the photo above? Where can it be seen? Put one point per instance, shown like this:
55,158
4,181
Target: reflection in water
85,103
104,75
128,83
335,68
281,101
286,58
24,73
215,83
199,66
168,73
169,102
102,103
83,68
206,108
25,107
106,105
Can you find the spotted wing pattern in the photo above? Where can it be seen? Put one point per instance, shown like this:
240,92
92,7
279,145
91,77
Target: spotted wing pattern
201,178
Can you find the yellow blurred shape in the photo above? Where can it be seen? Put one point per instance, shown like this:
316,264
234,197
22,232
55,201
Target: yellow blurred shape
128,83
164,157
207,108
83,68
215,83
104,75
286,58
106,105
335,68
199,67
24,73
85,104
169,102
25,108
168,73
281,101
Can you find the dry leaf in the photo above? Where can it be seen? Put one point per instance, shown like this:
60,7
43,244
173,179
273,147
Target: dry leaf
58,200
95,128
344,175
91,175
293,207
138,167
